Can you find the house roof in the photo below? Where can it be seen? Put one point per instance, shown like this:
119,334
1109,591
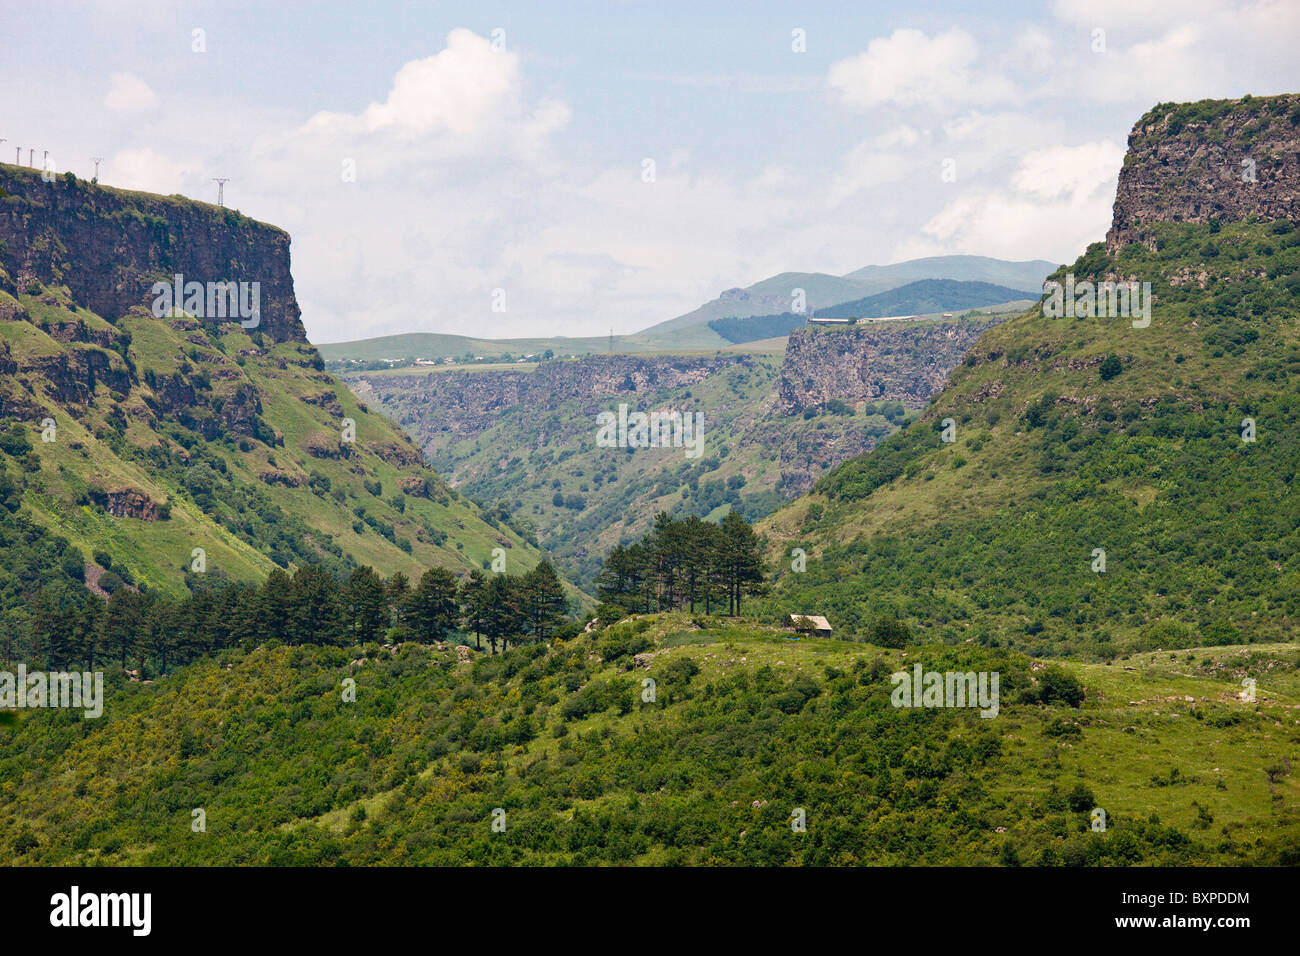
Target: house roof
817,621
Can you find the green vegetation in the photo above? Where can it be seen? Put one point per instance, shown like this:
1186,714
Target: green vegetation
176,435
745,726
70,627
926,296
757,327
1079,434
685,564
580,500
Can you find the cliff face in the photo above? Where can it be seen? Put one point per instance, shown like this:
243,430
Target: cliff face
109,246
146,436
469,403
906,362
1224,159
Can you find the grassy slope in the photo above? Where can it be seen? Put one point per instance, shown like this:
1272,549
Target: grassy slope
156,552
587,772
992,537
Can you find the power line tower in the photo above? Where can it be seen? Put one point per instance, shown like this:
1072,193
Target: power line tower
611,340
221,190
31,156
96,160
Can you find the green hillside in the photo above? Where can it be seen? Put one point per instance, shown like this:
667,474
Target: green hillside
927,296
744,727
1075,434
542,465
174,434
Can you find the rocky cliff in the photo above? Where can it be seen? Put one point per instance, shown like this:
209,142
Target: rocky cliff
469,403
895,361
108,246
145,436
1216,159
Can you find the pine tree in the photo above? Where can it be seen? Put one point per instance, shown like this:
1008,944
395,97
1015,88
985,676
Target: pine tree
504,614
741,559
367,605
399,596
542,601
123,623
274,607
316,613
473,601
434,612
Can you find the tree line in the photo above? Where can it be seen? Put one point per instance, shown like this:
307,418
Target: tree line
309,606
687,563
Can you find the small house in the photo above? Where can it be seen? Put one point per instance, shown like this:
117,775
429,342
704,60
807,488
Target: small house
809,623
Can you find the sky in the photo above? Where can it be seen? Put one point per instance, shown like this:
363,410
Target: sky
527,169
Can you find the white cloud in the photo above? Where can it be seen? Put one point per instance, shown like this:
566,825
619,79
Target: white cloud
1059,201
129,93
1175,50
148,170
865,168
459,90
909,69
899,136
1070,171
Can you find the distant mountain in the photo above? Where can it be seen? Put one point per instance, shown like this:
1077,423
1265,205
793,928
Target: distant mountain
774,295
926,296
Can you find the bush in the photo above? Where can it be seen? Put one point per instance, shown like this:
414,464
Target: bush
1057,684
14,442
889,632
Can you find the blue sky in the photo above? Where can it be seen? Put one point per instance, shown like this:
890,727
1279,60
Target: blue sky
519,165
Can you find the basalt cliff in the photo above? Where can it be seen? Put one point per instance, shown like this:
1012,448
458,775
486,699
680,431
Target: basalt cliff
1216,160
143,439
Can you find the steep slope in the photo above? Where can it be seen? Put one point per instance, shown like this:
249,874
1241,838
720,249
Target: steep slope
1080,435
178,433
1217,159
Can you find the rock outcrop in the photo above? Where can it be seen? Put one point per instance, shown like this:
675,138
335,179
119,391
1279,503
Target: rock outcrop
1217,159
109,246
900,361
127,503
